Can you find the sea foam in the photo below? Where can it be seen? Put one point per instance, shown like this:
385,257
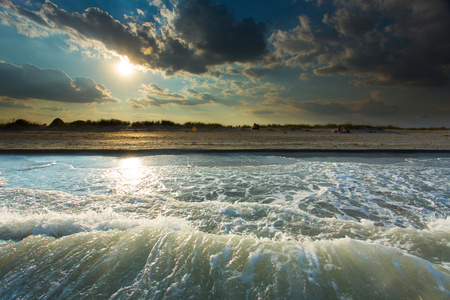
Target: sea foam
224,226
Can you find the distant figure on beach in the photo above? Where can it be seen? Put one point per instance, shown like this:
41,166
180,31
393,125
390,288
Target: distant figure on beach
255,126
340,130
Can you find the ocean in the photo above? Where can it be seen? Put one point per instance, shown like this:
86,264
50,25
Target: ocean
225,226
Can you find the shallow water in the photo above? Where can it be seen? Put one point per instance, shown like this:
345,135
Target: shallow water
222,226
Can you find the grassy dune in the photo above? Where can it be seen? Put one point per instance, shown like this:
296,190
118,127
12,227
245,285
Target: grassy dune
25,124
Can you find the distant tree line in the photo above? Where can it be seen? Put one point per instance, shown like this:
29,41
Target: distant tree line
21,123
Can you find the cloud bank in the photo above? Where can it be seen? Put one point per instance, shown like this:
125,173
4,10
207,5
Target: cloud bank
396,43
215,33
378,43
154,95
201,34
29,82
383,43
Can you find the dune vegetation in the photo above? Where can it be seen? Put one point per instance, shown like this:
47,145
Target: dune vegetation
120,124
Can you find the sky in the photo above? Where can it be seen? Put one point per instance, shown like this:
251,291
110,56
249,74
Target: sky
379,62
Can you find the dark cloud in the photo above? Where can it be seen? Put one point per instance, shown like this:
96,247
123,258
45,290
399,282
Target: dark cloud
394,43
98,25
32,16
212,29
178,56
202,34
302,46
30,82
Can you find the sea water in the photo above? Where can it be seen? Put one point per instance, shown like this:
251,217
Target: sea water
225,226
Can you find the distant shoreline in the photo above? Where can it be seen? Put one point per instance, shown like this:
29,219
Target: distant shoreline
117,125
263,152
223,139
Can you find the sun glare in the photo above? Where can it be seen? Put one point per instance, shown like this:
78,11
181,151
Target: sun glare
131,168
124,67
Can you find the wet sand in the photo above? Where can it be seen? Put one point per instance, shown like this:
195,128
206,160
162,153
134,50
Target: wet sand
224,139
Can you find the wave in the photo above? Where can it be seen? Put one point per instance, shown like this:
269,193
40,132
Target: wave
195,226
103,255
16,227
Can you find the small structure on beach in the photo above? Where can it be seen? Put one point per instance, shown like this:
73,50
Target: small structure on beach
57,123
255,126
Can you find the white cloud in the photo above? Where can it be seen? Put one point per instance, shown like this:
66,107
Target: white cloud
154,95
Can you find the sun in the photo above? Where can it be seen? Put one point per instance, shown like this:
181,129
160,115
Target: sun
124,67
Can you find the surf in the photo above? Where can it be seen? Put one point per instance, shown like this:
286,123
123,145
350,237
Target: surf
223,226
102,255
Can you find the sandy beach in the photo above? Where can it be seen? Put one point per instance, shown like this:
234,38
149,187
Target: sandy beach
223,139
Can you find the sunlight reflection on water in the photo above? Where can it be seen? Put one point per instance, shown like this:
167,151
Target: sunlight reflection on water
128,175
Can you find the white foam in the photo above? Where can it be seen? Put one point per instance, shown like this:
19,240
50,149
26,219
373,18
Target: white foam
242,220
440,224
161,257
17,226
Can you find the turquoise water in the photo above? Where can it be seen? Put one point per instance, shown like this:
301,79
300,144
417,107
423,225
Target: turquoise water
224,226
